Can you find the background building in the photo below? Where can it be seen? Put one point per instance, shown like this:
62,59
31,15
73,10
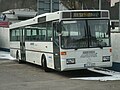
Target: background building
115,11
8,17
86,4
45,5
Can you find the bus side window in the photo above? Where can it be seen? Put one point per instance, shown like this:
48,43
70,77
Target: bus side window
34,35
28,35
17,35
13,35
43,36
37,38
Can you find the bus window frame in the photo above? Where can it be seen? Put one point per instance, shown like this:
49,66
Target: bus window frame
87,32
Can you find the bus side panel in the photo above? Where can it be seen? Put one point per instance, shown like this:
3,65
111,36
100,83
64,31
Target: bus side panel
35,50
14,46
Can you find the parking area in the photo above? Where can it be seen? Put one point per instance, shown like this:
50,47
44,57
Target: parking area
14,76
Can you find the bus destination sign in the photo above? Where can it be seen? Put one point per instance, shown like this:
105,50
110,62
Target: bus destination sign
85,14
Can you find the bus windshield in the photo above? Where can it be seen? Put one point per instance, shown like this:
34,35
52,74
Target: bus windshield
85,34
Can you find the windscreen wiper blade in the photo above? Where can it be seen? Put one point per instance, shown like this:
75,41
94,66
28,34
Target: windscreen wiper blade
101,47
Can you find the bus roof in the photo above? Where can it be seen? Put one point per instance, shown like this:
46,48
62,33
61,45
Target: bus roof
49,17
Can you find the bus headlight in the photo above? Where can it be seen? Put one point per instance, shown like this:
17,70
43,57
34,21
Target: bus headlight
70,61
106,58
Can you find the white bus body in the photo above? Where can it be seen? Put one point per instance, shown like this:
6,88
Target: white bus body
64,40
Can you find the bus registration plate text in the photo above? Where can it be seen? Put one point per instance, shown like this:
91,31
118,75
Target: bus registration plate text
89,65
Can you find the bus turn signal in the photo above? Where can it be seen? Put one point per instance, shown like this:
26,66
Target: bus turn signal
63,53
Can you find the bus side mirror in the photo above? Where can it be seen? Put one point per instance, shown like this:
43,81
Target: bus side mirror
112,25
57,27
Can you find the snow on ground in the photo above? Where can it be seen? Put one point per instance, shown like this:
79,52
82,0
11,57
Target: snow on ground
113,75
103,78
6,55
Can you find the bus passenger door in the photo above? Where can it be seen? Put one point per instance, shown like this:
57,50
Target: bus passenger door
56,48
22,45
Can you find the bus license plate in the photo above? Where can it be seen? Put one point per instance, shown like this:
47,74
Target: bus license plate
89,65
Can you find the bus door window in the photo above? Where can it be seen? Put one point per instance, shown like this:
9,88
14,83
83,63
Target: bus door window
49,31
56,33
66,39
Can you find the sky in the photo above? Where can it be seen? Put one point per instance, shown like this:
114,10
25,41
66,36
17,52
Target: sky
113,2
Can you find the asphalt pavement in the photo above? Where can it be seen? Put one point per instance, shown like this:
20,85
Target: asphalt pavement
15,76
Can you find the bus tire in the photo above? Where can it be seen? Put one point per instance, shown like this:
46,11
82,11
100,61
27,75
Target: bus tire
44,64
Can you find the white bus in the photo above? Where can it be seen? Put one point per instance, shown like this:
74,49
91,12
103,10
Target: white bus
64,40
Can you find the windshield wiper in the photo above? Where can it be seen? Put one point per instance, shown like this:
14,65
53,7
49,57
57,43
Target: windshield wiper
100,46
